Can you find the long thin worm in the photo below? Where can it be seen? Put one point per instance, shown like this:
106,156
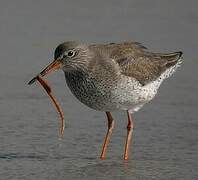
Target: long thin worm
46,86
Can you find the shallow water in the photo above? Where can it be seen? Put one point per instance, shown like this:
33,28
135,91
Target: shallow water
165,136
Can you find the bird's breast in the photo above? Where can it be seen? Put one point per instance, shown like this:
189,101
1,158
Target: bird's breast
88,90
124,94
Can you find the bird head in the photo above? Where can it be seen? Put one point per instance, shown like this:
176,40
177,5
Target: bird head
68,56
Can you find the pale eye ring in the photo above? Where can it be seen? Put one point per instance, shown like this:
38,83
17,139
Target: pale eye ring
70,53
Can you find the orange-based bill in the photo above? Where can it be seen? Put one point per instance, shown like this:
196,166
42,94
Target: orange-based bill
57,106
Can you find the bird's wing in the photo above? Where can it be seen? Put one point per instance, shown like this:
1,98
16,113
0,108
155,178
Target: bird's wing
134,61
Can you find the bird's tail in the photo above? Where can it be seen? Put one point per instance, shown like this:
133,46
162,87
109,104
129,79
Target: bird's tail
173,61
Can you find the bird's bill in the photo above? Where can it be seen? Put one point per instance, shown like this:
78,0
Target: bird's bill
56,64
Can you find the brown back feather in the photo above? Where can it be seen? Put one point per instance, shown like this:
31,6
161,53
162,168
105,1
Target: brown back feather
134,61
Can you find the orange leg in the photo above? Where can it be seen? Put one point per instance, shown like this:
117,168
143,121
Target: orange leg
129,136
109,132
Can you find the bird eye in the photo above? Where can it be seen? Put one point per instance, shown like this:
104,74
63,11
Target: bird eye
70,53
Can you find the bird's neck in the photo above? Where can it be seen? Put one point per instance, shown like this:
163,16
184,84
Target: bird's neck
76,76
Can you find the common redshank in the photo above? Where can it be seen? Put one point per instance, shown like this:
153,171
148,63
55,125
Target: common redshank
115,76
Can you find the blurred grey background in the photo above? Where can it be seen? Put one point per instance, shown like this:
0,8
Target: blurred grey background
165,136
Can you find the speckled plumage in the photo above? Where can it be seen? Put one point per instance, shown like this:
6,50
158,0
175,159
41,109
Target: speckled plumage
108,77
115,76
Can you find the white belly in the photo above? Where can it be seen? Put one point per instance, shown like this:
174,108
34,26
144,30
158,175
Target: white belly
131,95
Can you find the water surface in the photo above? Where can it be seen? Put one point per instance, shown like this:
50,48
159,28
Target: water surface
165,136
